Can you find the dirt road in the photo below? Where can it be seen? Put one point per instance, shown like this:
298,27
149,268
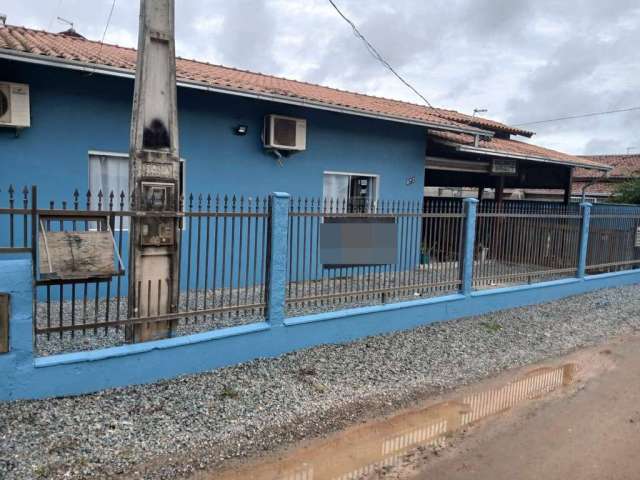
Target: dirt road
591,433
572,417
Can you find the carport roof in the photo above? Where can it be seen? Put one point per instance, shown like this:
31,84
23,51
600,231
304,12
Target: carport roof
508,148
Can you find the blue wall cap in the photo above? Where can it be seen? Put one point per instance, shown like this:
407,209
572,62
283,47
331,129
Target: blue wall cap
280,194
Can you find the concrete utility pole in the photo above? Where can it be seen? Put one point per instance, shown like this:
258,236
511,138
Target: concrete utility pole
154,176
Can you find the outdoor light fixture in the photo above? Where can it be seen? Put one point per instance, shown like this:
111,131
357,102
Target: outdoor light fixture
240,130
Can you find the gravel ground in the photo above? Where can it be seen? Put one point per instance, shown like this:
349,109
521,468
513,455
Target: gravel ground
444,274
169,429
90,340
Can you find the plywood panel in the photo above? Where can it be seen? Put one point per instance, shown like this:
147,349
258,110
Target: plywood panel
76,254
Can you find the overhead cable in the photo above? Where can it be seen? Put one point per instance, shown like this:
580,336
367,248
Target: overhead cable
374,52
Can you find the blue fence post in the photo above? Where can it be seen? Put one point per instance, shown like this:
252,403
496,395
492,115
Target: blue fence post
277,273
468,244
585,208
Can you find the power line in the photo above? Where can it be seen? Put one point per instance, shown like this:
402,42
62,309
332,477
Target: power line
583,115
104,34
106,27
372,50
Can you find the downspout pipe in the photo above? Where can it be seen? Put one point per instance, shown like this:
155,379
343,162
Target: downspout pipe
591,184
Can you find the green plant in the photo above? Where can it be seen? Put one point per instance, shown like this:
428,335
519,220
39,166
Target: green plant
41,471
628,192
319,387
229,392
426,253
492,326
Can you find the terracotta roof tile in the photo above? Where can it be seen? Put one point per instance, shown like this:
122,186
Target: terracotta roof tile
515,147
599,188
78,49
624,166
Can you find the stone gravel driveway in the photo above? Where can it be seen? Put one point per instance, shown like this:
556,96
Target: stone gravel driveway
171,428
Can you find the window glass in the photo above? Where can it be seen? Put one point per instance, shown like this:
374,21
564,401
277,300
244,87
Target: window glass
109,173
356,191
335,189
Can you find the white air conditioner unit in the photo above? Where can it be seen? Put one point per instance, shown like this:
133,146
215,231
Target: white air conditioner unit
14,105
285,133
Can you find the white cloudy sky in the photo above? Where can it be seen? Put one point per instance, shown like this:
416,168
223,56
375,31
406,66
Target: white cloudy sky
523,60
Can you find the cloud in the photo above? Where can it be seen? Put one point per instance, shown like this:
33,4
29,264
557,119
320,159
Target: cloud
523,60
239,33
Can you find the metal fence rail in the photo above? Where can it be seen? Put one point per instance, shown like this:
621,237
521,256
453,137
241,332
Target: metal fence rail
15,219
222,268
223,265
225,257
90,304
428,250
614,238
522,242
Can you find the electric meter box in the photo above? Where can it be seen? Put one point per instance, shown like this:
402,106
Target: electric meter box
157,197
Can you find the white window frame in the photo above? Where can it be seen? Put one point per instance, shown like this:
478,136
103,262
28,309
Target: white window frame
376,189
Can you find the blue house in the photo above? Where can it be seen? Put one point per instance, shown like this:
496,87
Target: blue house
66,120
79,100
251,280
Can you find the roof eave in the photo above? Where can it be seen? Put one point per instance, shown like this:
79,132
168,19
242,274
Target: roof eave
514,131
533,158
603,179
27,57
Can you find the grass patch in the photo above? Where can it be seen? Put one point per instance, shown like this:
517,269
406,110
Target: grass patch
229,392
492,326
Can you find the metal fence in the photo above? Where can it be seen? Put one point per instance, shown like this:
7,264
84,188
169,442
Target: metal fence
614,238
68,306
224,260
523,242
427,260
223,264
225,255
15,219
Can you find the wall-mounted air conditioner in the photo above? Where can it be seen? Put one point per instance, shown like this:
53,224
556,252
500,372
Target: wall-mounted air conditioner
285,133
14,105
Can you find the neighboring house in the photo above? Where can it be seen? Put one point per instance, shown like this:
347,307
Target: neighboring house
602,186
358,147
597,186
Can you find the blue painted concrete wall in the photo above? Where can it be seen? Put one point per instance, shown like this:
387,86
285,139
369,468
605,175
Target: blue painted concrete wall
84,372
21,376
15,279
73,112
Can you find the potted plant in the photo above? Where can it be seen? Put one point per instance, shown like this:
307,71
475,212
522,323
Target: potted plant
425,254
